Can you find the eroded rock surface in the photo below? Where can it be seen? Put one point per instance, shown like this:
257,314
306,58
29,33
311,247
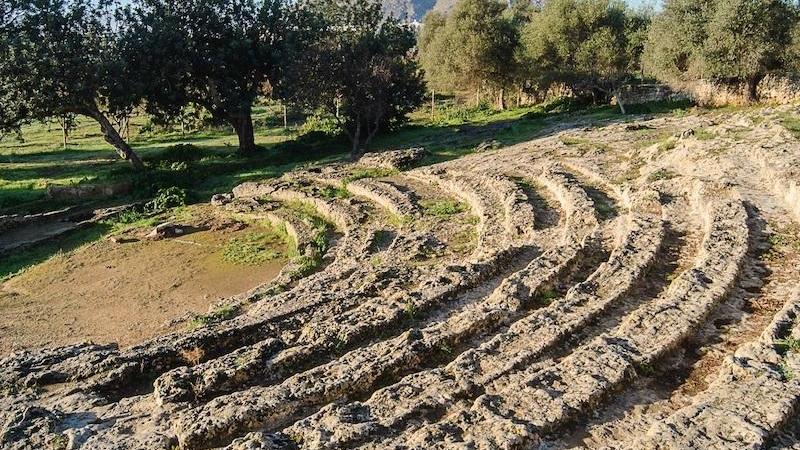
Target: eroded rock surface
621,285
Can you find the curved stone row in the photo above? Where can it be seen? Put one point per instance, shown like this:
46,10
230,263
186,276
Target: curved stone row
112,370
470,275
492,232
320,336
518,409
753,396
519,213
399,202
366,365
422,393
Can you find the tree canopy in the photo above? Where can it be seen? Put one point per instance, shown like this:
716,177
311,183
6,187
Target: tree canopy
60,57
359,67
218,54
472,47
731,41
589,44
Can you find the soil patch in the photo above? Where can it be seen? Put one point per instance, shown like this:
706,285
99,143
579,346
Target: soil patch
125,293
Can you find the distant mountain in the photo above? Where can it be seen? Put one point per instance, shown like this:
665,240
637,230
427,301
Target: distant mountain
414,9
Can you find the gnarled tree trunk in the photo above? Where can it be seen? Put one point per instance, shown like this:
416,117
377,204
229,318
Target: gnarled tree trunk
243,125
751,92
111,136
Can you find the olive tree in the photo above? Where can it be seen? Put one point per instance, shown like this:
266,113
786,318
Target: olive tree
352,61
218,54
747,39
729,41
59,58
587,44
472,47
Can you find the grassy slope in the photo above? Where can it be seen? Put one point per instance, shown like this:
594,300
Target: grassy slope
28,167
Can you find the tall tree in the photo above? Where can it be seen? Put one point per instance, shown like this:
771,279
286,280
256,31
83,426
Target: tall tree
61,57
730,41
584,43
357,59
219,54
747,39
473,46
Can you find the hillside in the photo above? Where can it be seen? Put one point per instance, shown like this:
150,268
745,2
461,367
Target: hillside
415,8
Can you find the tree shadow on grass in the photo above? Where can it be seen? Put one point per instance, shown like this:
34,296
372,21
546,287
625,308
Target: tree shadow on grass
19,260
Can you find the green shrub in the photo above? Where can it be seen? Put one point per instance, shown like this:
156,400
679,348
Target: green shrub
321,123
167,198
220,314
181,153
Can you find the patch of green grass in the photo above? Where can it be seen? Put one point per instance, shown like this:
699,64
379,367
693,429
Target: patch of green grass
646,369
786,372
790,344
546,296
220,314
667,145
253,249
571,141
701,134
305,265
791,122
442,208
330,192
399,221
59,442
787,239
661,174
631,174
411,311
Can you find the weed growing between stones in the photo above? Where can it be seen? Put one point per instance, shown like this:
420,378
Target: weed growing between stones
444,208
220,314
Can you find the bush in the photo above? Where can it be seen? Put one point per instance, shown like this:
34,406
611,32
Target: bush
171,197
180,153
321,123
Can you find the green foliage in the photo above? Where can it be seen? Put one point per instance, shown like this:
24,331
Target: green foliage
253,249
473,46
220,314
368,172
546,296
593,45
59,442
60,58
792,123
304,265
661,174
321,123
747,38
355,62
167,198
732,41
790,344
786,372
704,135
184,153
331,192
444,207
217,54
